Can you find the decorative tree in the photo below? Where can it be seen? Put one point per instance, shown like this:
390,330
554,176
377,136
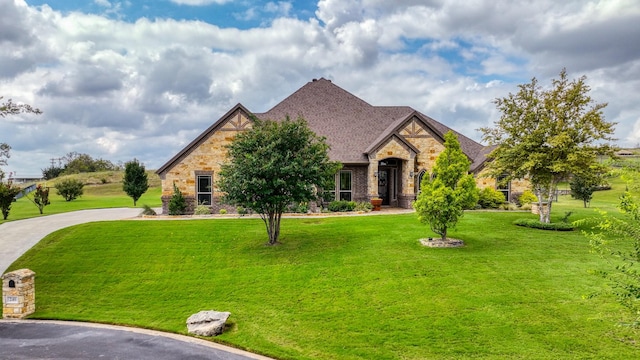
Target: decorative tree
547,135
583,185
135,181
69,189
272,165
40,197
8,192
177,204
451,189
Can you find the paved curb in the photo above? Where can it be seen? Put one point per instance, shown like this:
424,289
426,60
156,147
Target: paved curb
178,337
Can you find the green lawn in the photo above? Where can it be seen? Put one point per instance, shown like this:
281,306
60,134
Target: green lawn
96,196
344,287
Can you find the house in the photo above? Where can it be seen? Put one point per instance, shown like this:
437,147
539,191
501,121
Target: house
385,150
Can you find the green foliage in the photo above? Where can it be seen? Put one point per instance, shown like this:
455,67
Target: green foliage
527,197
300,208
52,172
272,165
622,255
363,206
39,197
84,163
69,189
135,181
583,185
202,210
177,203
147,210
490,198
451,190
341,206
535,224
222,211
8,192
547,135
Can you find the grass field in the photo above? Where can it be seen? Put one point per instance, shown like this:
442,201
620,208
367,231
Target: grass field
96,195
344,287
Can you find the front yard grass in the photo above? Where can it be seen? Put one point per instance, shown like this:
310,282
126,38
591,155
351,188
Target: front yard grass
341,288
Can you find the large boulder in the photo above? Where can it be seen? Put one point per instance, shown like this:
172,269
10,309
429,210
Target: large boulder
207,323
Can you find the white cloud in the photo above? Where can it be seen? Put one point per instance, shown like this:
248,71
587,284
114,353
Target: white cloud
144,89
200,2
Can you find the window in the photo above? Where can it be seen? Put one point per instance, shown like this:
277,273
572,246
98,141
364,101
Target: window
204,192
503,186
345,185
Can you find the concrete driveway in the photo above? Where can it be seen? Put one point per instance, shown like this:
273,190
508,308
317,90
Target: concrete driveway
35,339
16,237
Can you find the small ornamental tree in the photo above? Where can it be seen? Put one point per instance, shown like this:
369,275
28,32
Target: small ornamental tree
451,189
135,181
177,203
546,135
583,185
8,192
272,165
40,197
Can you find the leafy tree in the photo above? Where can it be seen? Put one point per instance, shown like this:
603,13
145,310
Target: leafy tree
40,197
583,185
52,172
623,253
84,163
450,190
69,189
11,108
135,181
547,135
8,192
177,203
272,165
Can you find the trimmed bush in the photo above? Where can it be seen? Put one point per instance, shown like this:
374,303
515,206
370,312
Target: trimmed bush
490,198
202,210
341,206
363,206
69,189
535,224
147,210
527,197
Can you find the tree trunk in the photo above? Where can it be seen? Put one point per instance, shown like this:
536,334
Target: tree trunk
272,222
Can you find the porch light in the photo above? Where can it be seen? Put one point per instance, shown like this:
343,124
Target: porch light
375,173
410,174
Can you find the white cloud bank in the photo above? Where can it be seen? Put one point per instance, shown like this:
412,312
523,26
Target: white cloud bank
144,89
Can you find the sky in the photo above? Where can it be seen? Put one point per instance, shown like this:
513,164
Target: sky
129,79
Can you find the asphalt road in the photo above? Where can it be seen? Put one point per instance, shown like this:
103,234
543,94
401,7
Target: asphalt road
34,339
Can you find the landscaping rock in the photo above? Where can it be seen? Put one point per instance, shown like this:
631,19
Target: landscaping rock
207,323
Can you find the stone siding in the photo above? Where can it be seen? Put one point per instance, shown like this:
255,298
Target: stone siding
208,156
18,294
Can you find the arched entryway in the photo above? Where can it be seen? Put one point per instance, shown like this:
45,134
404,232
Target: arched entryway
389,184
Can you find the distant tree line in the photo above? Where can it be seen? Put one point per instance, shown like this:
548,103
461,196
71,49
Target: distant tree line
75,163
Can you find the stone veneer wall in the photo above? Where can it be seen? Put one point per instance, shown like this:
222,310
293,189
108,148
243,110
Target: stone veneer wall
205,157
22,294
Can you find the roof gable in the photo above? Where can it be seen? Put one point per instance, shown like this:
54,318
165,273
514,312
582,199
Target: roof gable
231,121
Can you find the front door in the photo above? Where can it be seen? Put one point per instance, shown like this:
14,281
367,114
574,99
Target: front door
383,186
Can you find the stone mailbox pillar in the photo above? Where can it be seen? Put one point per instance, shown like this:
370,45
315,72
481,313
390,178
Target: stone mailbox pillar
18,294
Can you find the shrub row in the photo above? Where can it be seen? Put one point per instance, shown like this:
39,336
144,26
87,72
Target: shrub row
534,223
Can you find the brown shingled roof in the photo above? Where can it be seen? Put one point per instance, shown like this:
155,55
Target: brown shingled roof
352,126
